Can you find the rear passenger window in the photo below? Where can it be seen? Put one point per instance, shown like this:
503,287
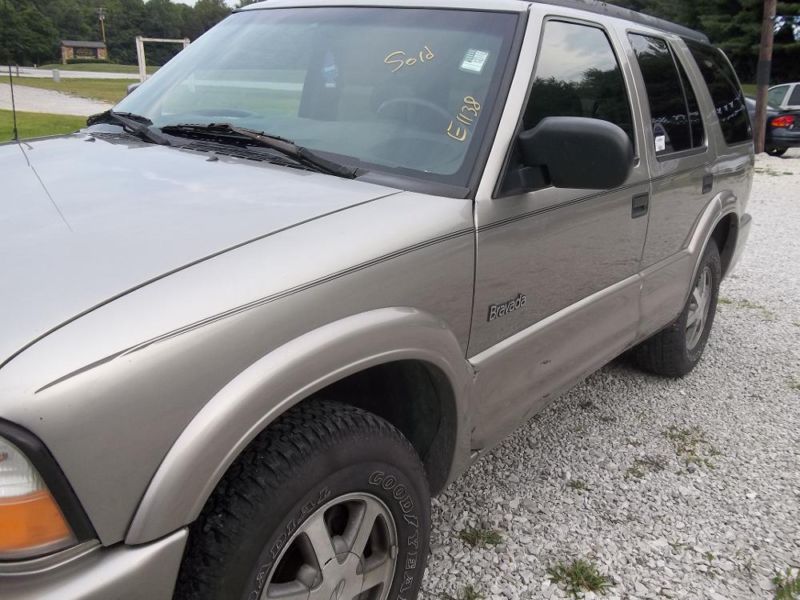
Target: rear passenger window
695,118
725,92
578,75
675,114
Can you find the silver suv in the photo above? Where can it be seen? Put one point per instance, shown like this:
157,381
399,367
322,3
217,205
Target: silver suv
325,259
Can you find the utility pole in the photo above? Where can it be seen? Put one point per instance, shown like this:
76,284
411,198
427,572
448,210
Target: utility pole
764,70
13,104
101,14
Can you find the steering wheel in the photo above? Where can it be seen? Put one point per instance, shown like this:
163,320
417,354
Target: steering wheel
415,102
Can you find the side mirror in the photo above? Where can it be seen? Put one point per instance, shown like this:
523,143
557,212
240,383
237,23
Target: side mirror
576,152
132,88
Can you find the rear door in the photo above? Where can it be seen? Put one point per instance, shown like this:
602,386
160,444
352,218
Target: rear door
681,170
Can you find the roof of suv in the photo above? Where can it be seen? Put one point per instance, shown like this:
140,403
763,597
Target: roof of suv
592,6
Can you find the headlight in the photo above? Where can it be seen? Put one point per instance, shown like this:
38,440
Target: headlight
31,523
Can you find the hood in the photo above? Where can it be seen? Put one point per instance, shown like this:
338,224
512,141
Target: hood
83,222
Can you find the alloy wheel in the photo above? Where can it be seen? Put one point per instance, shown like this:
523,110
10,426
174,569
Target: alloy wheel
345,550
699,307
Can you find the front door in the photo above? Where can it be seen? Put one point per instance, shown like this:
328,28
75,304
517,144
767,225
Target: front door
557,286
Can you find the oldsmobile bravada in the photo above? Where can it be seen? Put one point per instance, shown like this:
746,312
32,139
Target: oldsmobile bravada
251,318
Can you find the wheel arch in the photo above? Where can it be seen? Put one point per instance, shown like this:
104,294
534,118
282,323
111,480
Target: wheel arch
726,236
719,223
429,421
367,351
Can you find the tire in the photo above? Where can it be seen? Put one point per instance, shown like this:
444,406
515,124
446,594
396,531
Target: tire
777,151
676,350
290,512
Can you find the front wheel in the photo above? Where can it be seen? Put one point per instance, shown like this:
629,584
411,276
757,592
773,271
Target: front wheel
676,350
329,502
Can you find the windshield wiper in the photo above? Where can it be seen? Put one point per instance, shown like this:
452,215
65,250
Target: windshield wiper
136,124
302,155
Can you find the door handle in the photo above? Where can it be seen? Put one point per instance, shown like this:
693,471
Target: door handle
708,183
640,205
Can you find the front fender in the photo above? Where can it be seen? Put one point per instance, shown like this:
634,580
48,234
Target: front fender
262,392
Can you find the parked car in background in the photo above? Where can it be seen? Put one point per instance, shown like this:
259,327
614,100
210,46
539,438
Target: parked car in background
326,258
783,128
785,96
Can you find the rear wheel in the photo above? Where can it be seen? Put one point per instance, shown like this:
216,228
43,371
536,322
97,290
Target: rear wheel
676,350
330,502
777,151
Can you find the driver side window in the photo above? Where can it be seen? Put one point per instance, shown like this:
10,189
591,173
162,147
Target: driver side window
578,75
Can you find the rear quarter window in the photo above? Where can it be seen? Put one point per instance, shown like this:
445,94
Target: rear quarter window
794,99
725,92
776,95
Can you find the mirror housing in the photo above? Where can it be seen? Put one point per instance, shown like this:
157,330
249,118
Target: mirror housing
132,88
577,153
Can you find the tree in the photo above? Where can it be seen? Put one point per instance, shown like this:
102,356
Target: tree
734,26
26,35
205,15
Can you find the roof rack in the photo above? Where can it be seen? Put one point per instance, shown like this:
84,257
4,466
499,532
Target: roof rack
603,8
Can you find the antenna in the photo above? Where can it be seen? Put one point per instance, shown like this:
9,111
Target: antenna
13,105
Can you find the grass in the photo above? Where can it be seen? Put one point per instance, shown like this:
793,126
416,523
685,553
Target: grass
691,445
771,172
33,125
750,89
579,576
107,90
635,471
644,465
468,593
480,536
787,586
100,68
750,305
766,314
578,484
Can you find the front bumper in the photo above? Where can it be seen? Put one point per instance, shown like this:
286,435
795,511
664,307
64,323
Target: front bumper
146,572
745,224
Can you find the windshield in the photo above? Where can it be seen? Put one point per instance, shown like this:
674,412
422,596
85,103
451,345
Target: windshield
408,91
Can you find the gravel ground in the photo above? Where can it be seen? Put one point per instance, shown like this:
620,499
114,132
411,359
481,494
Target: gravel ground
692,486
30,99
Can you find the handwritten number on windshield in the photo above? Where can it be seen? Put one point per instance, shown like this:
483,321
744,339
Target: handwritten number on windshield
466,116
